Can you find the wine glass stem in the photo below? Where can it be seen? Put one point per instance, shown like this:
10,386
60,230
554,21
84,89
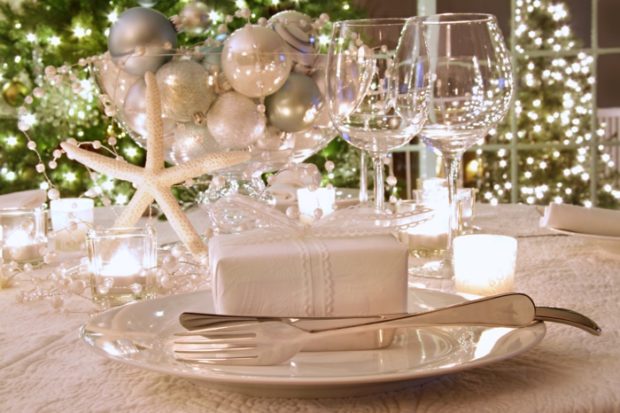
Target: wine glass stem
363,195
379,189
452,164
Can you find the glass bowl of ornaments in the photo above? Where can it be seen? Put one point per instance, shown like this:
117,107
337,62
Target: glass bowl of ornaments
260,89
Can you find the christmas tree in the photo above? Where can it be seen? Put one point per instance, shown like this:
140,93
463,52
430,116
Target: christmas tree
553,116
48,95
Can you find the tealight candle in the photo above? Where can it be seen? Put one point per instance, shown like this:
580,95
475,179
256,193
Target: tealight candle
433,184
429,237
309,201
24,234
121,264
484,264
71,219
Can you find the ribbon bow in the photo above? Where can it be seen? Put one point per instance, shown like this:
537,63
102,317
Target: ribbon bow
237,213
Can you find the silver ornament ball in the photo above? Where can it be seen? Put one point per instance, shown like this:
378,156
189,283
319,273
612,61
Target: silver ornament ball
141,40
296,105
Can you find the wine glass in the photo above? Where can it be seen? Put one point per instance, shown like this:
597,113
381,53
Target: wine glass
377,86
471,89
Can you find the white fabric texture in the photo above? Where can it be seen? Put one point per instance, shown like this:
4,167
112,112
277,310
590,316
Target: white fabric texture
321,276
593,221
24,199
45,368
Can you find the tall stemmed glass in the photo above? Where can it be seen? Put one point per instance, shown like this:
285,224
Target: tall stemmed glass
377,86
471,89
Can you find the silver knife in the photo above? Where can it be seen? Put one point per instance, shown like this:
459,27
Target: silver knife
197,321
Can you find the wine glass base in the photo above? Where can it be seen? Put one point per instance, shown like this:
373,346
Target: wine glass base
437,267
226,185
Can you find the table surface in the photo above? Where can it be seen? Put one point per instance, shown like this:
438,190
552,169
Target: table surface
44,366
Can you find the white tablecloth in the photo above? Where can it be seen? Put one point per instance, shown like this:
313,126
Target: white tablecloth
44,367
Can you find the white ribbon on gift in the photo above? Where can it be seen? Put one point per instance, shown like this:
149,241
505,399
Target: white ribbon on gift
237,213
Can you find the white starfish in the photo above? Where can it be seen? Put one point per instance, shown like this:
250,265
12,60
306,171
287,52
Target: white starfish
153,182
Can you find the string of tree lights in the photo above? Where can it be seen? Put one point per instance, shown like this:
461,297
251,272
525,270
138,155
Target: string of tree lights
552,120
49,95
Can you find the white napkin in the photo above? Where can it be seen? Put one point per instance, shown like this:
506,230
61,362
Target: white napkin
24,199
285,184
593,221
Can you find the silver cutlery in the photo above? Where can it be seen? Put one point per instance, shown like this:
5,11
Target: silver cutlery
242,340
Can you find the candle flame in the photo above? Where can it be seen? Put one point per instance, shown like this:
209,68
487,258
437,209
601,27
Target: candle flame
122,264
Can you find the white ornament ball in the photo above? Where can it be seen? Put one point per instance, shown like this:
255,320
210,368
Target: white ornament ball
272,139
255,62
234,121
113,81
184,89
194,17
189,142
301,20
134,114
296,30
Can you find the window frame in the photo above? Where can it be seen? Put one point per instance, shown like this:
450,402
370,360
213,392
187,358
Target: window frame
428,160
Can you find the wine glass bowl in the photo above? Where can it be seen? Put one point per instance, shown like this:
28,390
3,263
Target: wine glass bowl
471,87
377,86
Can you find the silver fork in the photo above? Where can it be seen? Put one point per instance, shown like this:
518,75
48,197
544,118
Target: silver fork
246,341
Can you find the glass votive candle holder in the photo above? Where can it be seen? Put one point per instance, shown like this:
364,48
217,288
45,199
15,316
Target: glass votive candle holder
71,220
435,195
122,264
429,238
427,242
466,198
24,235
484,264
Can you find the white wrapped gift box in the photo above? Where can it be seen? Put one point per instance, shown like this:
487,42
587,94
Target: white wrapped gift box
299,274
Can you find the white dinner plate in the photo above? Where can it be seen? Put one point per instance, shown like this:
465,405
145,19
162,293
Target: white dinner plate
141,334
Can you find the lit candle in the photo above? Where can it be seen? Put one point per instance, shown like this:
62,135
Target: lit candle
484,264
430,236
121,264
433,184
71,219
309,201
24,238
20,247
